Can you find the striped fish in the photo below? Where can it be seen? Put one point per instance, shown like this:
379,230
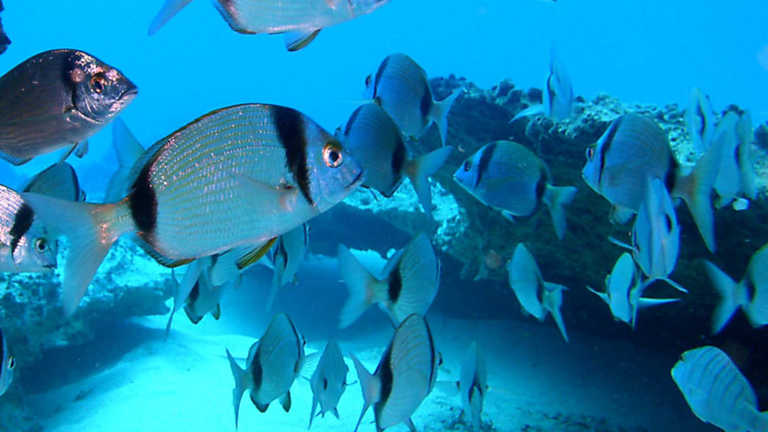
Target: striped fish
328,382
700,118
7,365
405,376
299,20
287,255
717,392
26,243
507,176
273,364
410,282
401,88
59,181
558,94
238,176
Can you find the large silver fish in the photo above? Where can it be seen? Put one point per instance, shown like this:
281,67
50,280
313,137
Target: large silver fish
59,181
408,284
405,375
26,242
717,392
238,176
401,88
55,99
299,20
750,294
536,296
273,364
7,365
328,381
287,255
507,176
375,140
634,149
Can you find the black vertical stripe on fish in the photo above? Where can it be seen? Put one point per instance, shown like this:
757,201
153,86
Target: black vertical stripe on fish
425,105
143,202
432,353
671,177
377,79
749,287
297,337
541,186
22,220
614,128
305,228
702,118
485,160
352,120
386,376
398,157
257,373
395,284
291,131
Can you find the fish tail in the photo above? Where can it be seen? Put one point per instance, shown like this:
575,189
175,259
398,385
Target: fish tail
533,110
420,169
553,299
170,8
240,376
727,288
556,198
362,286
91,230
370,385
312,411
440,112
696,189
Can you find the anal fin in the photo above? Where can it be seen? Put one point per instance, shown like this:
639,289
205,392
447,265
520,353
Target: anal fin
297,40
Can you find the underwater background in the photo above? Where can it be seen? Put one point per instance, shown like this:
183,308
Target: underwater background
110,368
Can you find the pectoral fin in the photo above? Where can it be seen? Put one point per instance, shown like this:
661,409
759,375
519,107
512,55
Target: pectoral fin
297,40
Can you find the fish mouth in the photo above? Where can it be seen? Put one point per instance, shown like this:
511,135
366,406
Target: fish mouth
129,94
357,180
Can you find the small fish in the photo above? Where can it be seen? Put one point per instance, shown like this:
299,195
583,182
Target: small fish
7,365
128,150
473,385
507,176
55,99
401,88
717,392
375,140
634,149
536,296
404,377
273,170
328,381
59,181
273,364
26,242
750,294
558,97
287,255
409,282
701,121
623,292
299,20
735,177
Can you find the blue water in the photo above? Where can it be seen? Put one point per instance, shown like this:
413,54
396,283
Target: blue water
644,51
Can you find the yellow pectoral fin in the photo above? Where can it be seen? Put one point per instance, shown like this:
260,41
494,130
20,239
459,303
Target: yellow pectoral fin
254,255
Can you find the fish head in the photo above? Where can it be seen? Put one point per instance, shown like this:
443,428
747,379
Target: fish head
37,250
468,174
334,173
591,171
100,90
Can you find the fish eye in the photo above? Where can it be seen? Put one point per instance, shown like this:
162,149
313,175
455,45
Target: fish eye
332,155
11,363
99,82
467,165
41,245
590,152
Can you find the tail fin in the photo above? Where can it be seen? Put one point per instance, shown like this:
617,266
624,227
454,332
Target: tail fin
361,285
418,170
170,8
440,112
370,385
602,295
726,287
91,230
533,110
240,376
696,190
183,289
556,198
553,299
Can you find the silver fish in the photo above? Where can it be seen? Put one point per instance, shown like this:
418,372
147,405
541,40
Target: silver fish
7,365
558,97
59,181
473,385
375,140
507,176
409,282
58,98
634,149
299,20
201,191
623,292
401,88
273,364
536,296
750,294
328,382
26,242
701,121
408,370
735,176
287,255
717,392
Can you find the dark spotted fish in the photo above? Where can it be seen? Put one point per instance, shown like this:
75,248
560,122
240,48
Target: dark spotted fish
238,176
26,242
7,365
55,99
405,375
273,364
